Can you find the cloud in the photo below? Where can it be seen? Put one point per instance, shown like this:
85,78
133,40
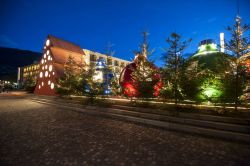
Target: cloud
6,41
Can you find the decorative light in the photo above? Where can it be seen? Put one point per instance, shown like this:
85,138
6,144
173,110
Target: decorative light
50,67
46,74
43,68
49,57
42,83
42,61
49,82
47,52
39,87
52,85
53,73
44,56
41,74
47,42
49,75
46,67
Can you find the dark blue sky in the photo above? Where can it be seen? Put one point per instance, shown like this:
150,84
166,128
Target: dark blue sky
92,24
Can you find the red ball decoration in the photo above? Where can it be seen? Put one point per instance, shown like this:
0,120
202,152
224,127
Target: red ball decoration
127,82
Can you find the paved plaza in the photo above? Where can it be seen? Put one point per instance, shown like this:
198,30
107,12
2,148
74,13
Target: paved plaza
33,133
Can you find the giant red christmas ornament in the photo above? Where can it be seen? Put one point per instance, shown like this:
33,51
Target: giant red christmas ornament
128,84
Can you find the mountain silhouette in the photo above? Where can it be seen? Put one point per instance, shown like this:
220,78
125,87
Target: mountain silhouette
12,58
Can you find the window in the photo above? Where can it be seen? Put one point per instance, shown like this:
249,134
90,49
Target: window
122,64
41,74
47,42
50,67
92,57
52,85
109,61
116,63
46,74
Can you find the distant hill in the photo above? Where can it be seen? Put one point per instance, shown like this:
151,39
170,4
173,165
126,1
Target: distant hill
11,59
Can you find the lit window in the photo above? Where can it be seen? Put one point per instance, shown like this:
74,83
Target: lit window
42,61
44,47
39,87
46,74
50,67
49,57
49,82
46,67
45,60
49,75
52,85
42,83
41,74
43,68
53,73
47,42
44,55
47,52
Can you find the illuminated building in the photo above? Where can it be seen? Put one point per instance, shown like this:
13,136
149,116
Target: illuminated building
55,54
101,60
207,46
25,72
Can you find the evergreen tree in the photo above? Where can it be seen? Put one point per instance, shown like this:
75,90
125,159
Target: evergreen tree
145,74
173,65
238,45
111,82
29,84
72,80
92,88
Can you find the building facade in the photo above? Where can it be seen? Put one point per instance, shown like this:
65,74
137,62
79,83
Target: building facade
27,72
116,64
55,54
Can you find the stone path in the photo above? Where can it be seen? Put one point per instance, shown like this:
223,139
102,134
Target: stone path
37,134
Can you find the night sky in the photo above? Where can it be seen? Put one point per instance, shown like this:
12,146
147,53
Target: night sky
95,23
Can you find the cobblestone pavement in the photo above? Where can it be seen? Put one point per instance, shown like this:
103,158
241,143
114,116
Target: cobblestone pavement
38,134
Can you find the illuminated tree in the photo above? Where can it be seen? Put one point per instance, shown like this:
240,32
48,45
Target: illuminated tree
238,46
29,84
173,65
112,83
72,80
211,88
92,88
144,75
